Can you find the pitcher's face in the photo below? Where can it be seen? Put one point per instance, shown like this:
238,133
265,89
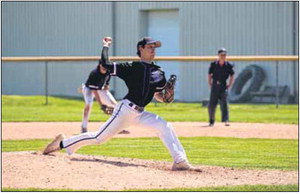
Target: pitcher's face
148,52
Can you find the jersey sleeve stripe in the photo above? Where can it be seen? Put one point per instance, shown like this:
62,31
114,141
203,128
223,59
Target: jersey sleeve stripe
115,69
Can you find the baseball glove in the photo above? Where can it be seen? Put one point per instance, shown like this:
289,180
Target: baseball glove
107,109
169,91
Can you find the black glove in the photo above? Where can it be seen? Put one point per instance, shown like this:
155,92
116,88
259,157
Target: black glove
107,109
169,89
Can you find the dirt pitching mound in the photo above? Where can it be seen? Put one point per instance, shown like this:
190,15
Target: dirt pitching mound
32,169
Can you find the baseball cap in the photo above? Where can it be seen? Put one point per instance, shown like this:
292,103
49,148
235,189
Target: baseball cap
148,40
222,50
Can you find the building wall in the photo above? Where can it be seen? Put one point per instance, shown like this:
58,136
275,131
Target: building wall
76,29
54,28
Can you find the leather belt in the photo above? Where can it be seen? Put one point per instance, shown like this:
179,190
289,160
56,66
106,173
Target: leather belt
136,107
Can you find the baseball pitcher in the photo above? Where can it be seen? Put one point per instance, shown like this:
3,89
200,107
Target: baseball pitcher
144,80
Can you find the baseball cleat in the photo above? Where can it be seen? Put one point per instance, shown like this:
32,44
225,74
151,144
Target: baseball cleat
84,130
54,145
184,165
211,123
227,123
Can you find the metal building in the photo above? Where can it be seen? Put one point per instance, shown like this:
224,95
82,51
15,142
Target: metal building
185,28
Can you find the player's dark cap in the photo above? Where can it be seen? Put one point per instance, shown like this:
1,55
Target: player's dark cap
148,40
222,50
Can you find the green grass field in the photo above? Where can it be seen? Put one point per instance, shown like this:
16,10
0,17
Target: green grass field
281,154
32,108
230,188
230,152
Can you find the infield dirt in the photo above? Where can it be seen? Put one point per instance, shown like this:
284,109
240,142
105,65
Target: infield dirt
34,170
48,130
84,172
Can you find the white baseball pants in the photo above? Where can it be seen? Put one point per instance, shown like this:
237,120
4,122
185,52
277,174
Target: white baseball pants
105,95
125,116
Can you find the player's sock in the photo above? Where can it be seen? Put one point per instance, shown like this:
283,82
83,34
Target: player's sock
84,123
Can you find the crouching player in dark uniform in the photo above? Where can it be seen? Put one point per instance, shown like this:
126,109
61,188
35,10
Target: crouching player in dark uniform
97,86
219,72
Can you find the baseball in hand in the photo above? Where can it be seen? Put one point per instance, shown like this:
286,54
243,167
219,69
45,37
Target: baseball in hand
107,40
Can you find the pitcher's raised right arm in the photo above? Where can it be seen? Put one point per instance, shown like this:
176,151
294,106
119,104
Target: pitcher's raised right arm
116,69
104,55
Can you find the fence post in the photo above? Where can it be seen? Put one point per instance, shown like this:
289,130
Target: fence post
277,86
46,82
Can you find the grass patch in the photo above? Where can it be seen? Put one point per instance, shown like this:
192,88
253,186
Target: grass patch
218,151
235,188
228,188
32,108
